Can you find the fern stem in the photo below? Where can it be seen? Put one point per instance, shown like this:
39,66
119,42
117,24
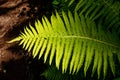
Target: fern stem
88,38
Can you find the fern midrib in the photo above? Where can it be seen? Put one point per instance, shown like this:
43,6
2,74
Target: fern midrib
80,37
92,39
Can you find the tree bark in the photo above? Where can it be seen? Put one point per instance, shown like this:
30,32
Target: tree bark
13,14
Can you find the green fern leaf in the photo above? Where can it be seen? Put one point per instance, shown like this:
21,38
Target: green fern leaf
71,39
105,61
96,58
99,63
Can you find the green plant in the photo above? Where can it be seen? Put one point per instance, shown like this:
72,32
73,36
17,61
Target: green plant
75,39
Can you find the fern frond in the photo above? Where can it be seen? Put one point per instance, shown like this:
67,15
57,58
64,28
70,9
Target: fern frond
107,10
71,39
52,73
